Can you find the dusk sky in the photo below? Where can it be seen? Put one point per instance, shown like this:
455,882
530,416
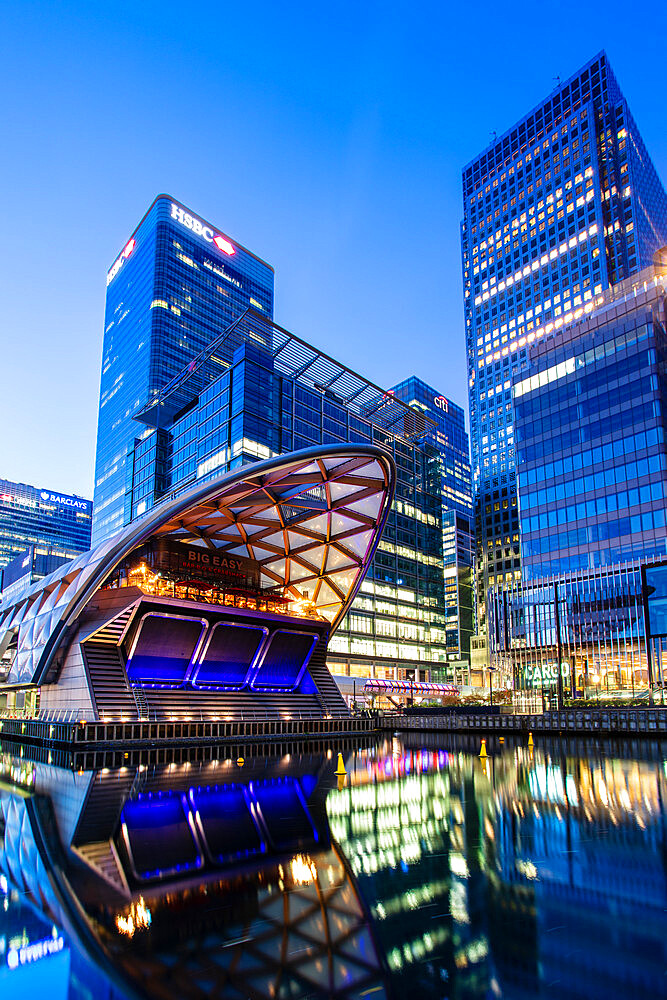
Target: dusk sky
329,140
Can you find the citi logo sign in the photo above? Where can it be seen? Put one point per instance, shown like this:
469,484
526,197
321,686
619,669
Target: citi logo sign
442,403
200,229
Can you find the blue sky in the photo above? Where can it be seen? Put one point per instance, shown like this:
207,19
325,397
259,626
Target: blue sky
329,140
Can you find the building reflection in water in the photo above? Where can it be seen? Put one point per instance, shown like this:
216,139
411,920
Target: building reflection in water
427,873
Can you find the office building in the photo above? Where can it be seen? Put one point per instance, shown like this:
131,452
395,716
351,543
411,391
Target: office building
33,564
556,209
590,415
258,391
54,526
175,285
446,430
590,412
247,390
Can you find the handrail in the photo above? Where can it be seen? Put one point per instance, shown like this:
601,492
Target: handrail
85,715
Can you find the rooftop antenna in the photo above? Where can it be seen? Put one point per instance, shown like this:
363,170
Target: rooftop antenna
557,79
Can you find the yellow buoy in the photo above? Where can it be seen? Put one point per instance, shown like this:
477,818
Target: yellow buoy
340,766
483,752
501,739
240,761
530,740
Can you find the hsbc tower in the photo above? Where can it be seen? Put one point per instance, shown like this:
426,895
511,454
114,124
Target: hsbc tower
174,286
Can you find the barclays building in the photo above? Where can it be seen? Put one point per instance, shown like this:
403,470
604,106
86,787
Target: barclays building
39,530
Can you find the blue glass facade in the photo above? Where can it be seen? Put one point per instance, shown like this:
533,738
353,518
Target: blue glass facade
196,380
176,284
396,626
590,417
56,524
448,434
558,208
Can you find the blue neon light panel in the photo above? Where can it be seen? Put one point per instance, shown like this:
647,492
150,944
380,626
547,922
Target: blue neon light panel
159,836
285,813
284,661
164,650
226,824
228,657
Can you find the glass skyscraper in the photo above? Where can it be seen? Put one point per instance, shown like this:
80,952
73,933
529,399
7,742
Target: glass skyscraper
276,394
197,379
557,209
590,416
55,526
175,285
447,432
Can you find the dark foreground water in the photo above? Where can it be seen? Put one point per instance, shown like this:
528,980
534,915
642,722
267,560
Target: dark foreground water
427,872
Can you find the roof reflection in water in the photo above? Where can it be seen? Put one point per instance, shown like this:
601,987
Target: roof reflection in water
193,880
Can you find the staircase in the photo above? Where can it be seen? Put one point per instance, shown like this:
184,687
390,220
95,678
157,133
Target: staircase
104,661
103,859
140,702
328,693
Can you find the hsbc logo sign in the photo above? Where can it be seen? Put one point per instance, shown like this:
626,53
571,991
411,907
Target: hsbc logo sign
199,228
116,266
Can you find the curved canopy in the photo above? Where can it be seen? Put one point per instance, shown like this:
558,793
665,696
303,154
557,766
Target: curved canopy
311,519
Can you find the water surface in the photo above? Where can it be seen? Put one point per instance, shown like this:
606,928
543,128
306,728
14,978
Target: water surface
425,872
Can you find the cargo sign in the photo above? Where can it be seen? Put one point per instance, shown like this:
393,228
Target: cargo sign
545,674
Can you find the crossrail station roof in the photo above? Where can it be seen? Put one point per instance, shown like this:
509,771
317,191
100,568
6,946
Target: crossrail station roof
218,602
